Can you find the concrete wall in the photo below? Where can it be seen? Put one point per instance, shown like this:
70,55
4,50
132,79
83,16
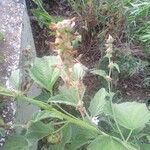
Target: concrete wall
15,26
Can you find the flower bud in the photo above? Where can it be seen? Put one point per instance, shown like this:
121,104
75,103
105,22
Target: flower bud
111,65
110,39
108,78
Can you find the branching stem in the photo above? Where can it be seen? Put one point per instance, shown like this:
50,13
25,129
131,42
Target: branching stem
129,135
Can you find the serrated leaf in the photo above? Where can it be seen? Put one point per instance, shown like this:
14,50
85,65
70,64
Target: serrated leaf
116,66
78,71
16,142
67,96
44,115
101,73
38,130
80,137
98,102
132,115
44,72
106,143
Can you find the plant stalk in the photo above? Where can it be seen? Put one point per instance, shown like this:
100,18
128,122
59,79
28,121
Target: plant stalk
109,87
129,135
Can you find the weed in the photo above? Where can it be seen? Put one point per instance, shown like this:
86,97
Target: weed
138,13
130,65
42,16
99,18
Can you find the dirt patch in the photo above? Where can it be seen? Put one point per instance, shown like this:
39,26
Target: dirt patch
132,88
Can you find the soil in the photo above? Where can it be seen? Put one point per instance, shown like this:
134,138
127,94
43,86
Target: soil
131,87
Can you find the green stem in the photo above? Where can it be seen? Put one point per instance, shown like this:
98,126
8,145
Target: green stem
116,121
66,117
65,111
51,92
109,87
129,135
56,131
62,122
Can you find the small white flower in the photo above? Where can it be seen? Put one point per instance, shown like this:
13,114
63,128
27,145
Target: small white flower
95,120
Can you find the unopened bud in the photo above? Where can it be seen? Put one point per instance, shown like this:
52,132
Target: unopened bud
108,78
110,39
111,65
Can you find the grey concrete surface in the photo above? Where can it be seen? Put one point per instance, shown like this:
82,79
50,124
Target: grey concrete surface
15,27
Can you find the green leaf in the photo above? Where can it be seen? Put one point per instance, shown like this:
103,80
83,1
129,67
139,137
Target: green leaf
98,102
66,133
148,137
106,143
44,115
38,2
16,142
42,17
144,146
132,115
116,66
75,43
38,130
6,92
80,137
101,73
78,71
44,72
67,96
44,96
